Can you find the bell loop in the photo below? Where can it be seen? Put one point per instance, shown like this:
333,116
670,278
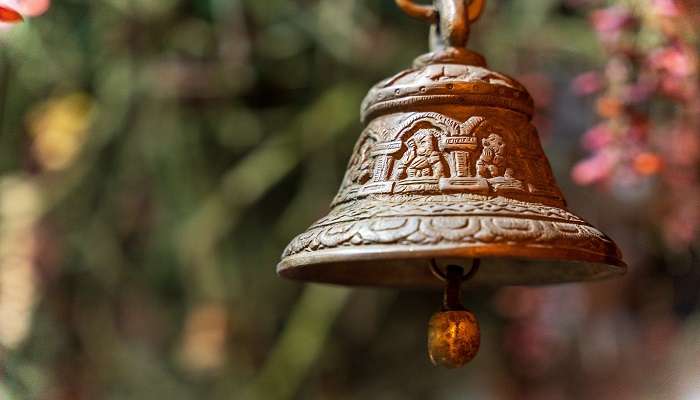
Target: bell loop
476,263
451,20
453,277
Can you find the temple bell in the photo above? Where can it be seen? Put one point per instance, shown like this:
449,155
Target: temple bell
448,186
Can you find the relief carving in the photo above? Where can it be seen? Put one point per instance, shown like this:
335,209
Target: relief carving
362,163
492,162
432,153
475,221
422,159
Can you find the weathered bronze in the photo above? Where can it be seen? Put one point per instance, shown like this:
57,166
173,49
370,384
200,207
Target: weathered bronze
449,168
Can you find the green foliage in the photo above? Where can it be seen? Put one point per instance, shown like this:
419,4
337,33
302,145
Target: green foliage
216,130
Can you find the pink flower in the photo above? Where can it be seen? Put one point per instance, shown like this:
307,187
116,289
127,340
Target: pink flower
675,88
587,83
639,92
610,22
593,169
21,8
674,60
30,8
597,137
34,8
666,8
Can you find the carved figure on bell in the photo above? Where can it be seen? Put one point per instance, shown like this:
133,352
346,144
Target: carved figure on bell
492,162
422,159
362,164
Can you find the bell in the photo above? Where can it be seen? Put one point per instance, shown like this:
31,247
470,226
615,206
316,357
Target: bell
447,174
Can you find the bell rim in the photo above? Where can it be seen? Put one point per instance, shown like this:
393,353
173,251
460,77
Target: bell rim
310,266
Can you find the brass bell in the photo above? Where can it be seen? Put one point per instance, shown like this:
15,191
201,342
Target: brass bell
448,170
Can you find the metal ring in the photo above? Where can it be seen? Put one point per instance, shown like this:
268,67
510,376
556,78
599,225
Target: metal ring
476,263
424,12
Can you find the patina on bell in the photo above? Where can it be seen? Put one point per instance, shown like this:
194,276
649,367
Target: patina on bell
449,167
448,172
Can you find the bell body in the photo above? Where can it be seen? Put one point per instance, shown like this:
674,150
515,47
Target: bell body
449,167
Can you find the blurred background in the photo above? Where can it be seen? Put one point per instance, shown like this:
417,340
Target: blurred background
156,156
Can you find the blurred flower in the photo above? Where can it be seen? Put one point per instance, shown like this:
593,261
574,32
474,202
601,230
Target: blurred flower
674,88
609,107
9,15
587,83
593,169
14,11
59,127
618,71
204,338
610,22
640,77
33,8
20,206
597,137
666,8
638,92
647,163
611,19
674,60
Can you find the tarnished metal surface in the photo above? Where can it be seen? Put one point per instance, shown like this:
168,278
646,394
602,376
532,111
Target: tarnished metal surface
449,166
453,338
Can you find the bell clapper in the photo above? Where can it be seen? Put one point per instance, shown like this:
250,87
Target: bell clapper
453,332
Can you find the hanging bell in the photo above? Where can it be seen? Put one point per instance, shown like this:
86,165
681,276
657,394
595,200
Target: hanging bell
449,169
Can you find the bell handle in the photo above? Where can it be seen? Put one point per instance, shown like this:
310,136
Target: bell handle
453,18
475,9
476,263
423,12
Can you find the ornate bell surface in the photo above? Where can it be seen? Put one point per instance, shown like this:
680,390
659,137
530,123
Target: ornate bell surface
449,168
